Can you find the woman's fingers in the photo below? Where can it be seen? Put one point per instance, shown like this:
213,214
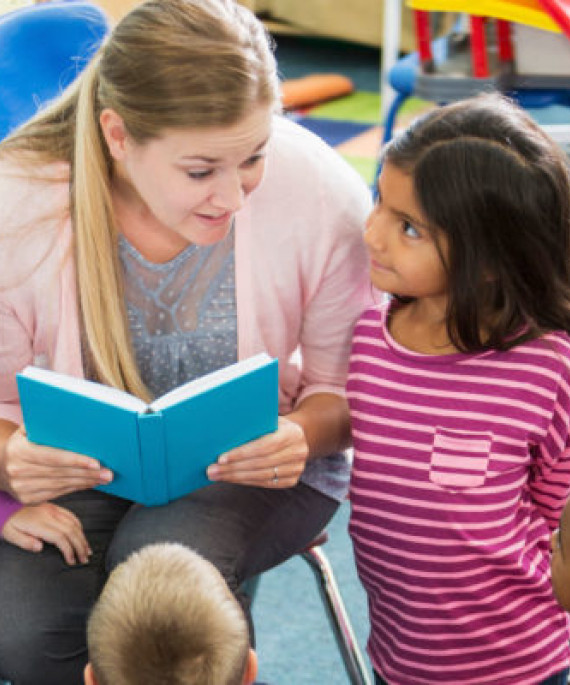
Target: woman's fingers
34,473
273,461
281,476
37,490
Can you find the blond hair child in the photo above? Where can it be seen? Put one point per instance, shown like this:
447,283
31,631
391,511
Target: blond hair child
166,615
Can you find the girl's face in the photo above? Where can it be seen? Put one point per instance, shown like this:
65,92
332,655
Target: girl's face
404,259
560,562
187,184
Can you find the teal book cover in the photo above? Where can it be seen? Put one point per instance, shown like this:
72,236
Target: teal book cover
158,451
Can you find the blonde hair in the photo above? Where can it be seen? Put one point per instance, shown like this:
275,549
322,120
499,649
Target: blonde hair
169,64
167,616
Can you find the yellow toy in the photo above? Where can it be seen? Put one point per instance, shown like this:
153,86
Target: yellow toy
550,15
545,15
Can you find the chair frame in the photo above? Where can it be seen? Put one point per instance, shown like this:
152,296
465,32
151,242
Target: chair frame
336,612
337,615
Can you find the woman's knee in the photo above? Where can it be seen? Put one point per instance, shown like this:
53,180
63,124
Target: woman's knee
44,645
44,604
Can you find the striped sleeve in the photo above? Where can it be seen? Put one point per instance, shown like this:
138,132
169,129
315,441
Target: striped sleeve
549,479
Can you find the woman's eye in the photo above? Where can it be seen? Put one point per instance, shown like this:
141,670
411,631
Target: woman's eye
198,175
410,231
252,161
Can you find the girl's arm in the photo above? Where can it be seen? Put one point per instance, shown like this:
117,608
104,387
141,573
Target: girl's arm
324,419
550,484
549,480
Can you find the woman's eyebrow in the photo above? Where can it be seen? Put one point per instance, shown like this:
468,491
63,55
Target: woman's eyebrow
214,160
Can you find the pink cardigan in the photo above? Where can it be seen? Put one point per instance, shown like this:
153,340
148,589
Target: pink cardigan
301,271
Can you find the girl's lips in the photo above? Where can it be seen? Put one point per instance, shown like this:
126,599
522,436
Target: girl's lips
377,266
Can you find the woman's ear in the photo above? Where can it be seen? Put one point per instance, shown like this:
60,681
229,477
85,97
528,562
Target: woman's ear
114,132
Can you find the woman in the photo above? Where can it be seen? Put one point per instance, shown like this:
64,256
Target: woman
158,221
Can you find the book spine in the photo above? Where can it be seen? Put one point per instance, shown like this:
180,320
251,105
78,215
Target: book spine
153,459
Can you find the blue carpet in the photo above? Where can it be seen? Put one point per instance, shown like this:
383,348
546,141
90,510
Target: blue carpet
333,131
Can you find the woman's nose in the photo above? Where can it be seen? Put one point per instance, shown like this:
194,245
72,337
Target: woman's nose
229,193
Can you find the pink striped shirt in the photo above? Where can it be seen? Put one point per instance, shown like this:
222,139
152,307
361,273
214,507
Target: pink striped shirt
461,469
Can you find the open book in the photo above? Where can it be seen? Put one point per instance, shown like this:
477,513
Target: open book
160,451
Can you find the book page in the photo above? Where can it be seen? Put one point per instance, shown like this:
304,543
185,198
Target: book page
210,380
81,386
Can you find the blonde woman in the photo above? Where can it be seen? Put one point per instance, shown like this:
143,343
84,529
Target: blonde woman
158,221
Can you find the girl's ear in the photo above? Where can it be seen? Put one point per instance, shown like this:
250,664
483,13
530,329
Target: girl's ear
114,132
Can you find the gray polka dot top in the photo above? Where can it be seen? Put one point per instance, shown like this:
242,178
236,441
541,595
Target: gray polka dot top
182,314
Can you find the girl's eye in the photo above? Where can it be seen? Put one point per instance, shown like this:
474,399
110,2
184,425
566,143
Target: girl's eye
199,175
410,231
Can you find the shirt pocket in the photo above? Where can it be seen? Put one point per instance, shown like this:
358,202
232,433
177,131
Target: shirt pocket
460,459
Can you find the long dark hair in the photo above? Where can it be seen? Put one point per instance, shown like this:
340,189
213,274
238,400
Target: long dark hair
489,178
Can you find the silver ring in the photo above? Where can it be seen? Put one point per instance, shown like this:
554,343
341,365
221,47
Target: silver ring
275,476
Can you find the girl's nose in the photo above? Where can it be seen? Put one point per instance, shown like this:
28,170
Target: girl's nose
374,234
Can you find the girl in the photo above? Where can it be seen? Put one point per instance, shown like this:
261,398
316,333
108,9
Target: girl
459,397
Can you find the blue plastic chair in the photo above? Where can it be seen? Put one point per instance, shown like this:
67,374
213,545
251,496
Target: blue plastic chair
42,50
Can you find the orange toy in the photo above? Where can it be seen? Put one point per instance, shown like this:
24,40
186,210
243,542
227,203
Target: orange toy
315,88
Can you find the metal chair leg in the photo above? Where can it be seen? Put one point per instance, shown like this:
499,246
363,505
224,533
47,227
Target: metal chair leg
337,615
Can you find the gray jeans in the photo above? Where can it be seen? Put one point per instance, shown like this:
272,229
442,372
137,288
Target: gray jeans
44,604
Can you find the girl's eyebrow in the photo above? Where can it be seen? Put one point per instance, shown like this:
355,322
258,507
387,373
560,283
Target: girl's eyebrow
410,219
215,160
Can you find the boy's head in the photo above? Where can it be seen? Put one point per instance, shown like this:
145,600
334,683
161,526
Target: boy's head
560,562
167,616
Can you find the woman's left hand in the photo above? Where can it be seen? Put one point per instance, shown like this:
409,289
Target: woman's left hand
276,460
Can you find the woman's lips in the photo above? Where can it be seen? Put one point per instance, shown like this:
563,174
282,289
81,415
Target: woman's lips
215,220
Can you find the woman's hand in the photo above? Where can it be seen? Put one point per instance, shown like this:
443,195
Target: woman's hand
30,527
317,427
273,461
36,473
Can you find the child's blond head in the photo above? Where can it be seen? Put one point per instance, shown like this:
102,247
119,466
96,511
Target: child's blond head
167,616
